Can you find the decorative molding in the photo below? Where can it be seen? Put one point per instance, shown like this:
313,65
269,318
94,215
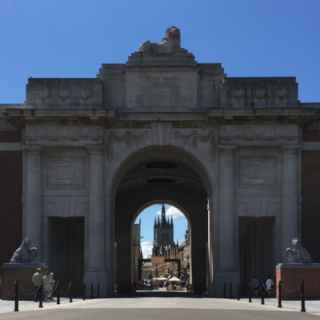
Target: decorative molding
259,207
161,133
10,146
65,206
65,170
255,93
119,137
257,171
95,149
246,134
65,93
65,174
194,137
311,146
6,126
48,134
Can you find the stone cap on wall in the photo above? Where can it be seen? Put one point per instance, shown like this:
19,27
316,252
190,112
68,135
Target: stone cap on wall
259,92
64,93
313,265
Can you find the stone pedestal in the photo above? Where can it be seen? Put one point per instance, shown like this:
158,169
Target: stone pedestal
10,272
292,275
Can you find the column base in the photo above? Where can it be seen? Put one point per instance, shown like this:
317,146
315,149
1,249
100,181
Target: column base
99,279
223,280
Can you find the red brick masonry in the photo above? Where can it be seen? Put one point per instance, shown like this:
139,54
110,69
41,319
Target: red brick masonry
292,275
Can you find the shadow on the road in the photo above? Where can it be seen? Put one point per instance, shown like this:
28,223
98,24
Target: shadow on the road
160,294
156,314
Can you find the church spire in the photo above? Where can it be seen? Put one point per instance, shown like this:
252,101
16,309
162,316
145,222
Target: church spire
163,214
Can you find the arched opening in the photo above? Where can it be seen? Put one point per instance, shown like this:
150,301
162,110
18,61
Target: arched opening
155,175
161,250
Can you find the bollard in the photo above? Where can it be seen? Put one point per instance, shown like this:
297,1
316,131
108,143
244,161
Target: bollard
91,291
239,292
84,292
230,291
262,295
280,294
58,293
70,291
225,290
303,299
98,290
40,296
16,296
250,294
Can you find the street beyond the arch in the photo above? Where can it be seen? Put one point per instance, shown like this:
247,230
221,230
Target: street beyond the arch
161,308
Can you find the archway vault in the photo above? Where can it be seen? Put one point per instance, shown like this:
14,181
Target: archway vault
158,174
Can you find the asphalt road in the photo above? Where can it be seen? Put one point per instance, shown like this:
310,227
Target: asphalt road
158,308
154,314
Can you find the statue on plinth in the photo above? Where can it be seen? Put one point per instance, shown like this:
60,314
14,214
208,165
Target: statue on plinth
169,44
21,268
168,50
296,253
25,253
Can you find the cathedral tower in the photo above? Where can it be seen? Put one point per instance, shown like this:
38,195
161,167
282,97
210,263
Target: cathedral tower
163,233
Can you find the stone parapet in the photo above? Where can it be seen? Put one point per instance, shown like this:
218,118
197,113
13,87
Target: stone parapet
255,93
65,93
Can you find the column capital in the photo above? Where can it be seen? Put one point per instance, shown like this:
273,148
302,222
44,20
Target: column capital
31,148
95,150
227,146
292,150
292,147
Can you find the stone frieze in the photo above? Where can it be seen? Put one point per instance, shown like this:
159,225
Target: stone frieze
51,134
255,133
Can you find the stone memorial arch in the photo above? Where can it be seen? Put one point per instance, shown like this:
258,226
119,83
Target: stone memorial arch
162,127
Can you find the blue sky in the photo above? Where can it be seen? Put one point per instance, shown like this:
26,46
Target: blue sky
147,217
72,38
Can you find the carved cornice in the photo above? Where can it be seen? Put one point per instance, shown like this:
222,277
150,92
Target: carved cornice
63,135
255,134
128,137
194,137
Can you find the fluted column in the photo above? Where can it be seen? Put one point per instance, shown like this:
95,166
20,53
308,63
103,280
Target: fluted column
32,213
290,197
95,264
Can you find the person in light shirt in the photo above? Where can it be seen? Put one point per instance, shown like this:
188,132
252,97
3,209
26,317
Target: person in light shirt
269,285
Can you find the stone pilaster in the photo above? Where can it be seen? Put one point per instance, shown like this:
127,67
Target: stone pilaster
211,246
95,224
226,259
290,196
32,213
109,240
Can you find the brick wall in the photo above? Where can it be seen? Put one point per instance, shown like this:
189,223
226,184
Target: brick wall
311,202
10,197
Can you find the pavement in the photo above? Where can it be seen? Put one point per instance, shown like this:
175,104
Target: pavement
160,308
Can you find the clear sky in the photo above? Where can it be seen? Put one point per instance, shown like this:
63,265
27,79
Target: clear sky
71,38
147,217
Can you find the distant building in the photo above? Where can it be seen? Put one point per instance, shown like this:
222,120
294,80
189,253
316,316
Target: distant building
163,235
136,256
168,257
